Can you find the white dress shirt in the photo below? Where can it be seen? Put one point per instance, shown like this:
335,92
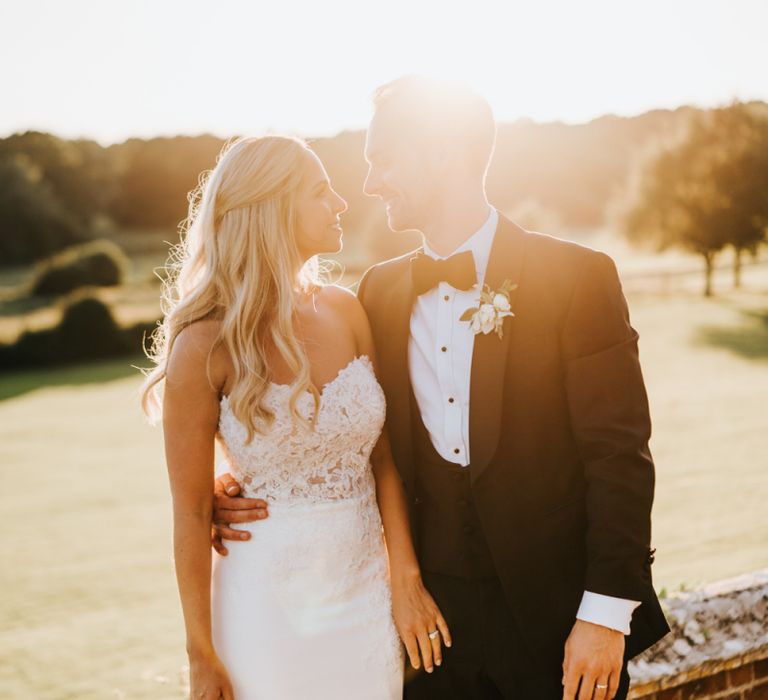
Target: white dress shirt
440,365
440,351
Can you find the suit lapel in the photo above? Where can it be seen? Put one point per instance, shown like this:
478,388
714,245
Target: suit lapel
490,352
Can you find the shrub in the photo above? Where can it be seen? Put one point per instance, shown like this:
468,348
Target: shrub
31,349
99,263
87,331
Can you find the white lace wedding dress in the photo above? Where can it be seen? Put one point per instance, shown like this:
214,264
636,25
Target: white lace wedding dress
302,609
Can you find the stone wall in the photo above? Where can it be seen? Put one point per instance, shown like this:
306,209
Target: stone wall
718,647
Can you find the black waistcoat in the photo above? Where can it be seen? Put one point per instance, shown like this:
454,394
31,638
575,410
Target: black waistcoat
448,532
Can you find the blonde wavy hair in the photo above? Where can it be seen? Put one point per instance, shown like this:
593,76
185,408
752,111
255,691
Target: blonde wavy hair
238,262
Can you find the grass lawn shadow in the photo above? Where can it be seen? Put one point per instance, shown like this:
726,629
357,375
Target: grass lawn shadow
22,381
749,340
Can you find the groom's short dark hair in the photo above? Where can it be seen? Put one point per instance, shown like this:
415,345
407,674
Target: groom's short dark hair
427,110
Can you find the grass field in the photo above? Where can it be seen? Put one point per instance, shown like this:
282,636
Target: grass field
89,607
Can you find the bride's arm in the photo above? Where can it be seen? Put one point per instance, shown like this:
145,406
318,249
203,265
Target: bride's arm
190,418
414,610
416,613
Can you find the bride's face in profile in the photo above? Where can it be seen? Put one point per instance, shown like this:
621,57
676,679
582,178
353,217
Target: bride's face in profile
318,207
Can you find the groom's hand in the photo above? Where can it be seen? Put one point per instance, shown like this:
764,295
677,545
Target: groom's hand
594,656
230,507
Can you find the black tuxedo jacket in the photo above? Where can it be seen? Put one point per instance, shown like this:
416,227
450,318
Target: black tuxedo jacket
562,477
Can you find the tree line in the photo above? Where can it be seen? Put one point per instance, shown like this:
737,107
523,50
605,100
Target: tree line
690,178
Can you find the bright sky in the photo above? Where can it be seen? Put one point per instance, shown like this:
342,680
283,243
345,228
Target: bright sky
109,70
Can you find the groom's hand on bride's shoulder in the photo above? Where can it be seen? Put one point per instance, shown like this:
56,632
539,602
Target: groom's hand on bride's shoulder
229,508
594,655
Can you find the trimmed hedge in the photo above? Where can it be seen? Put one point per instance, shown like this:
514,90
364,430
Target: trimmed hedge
87,331
99,263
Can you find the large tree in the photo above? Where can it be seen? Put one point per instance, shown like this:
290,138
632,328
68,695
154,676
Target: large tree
706,189
742,178
155,177
78,172
33,221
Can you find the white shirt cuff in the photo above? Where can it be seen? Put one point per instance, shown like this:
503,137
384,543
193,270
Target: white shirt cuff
607,611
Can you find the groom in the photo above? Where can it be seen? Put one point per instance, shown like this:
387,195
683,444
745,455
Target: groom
519,422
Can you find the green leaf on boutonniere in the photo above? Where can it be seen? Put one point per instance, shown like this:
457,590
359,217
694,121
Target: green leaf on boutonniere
507,287
467,315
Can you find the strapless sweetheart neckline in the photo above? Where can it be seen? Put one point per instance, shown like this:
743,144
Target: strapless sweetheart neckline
329,383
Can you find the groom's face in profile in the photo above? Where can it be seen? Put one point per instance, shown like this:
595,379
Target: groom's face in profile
399,174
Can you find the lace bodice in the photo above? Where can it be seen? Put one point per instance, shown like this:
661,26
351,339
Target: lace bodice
288,462
312,579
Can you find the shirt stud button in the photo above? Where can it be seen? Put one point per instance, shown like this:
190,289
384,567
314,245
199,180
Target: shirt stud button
456,450
443,349
450,399
447,298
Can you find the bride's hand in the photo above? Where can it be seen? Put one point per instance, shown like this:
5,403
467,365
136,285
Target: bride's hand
208,679
417,618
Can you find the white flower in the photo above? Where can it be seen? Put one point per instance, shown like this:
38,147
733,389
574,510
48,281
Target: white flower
487,318
493,308
501,302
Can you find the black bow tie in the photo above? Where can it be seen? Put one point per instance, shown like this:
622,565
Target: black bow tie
458,271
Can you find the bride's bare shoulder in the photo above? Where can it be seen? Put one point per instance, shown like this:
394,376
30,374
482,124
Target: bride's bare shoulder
198,337
192,347
348,307
344,301
340,297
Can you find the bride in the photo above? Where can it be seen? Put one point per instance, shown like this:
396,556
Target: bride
256,353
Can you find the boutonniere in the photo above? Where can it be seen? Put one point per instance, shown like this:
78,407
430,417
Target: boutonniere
491,310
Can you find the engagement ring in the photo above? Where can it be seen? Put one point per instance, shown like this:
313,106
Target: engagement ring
434,634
